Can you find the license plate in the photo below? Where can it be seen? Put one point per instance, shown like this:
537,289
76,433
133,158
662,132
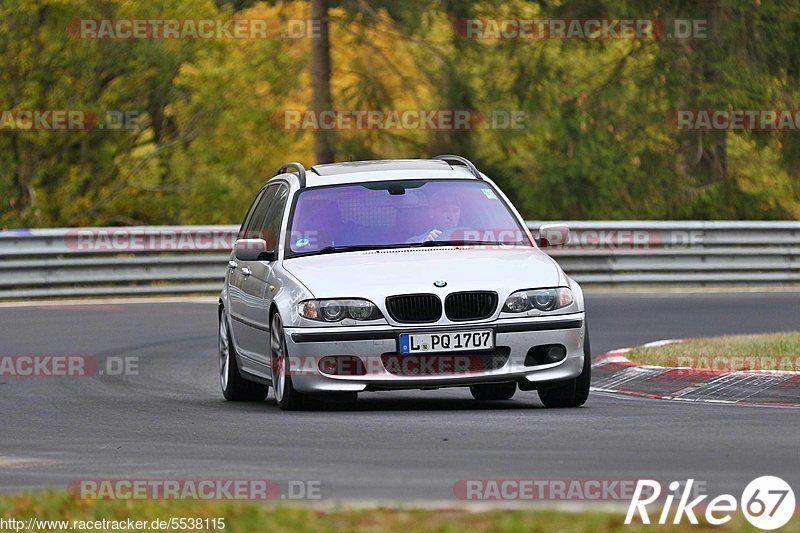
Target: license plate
450,341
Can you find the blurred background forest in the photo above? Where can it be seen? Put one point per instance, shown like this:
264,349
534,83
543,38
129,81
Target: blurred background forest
595,144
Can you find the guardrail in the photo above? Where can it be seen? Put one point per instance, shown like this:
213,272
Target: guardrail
69,262
681,252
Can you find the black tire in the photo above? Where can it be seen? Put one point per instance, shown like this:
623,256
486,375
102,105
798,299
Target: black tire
287,398
234,387
494,391
574,392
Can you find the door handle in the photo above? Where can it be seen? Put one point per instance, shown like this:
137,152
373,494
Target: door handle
232,264
246,271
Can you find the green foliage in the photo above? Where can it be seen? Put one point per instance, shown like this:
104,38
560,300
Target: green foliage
595,142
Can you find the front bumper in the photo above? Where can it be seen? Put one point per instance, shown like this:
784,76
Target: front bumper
306,346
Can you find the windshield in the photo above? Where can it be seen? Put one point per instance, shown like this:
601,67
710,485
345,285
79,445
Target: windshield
400,213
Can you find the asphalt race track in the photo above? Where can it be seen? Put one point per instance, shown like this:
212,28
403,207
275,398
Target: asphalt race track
170,421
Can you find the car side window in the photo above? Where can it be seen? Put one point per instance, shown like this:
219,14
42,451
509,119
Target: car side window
249,216
271,226
256,222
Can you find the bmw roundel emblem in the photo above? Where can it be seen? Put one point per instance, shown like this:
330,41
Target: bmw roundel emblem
439,283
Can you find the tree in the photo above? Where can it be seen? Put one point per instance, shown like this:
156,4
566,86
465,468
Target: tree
321,78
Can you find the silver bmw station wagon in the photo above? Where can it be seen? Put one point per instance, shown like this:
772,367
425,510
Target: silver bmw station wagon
398,274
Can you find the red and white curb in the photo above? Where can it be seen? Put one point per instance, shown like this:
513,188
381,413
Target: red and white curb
614,373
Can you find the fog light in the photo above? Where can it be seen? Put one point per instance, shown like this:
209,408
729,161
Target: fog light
555,353
342,365
545,354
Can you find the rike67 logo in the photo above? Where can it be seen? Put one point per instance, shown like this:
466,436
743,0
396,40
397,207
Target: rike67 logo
767,502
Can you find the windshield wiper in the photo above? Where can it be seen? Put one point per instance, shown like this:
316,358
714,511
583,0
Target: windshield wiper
333,249
463,242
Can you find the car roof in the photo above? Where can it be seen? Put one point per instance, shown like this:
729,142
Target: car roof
383,170
334,169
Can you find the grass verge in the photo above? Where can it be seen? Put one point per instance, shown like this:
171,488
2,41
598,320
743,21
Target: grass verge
254,517
769,351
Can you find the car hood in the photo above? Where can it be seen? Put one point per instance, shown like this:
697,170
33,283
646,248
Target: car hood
380,273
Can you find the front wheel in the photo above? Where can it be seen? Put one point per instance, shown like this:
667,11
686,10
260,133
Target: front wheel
574,392
286,396
234,387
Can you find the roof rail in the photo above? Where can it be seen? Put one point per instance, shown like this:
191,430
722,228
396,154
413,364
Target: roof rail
301,172
464,161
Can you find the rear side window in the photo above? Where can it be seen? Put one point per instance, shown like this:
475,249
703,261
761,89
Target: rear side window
249,215
271,227
255,223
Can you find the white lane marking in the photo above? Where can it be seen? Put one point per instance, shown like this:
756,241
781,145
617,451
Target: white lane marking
11,463
628,375
732,387
611,359
737,385
632,397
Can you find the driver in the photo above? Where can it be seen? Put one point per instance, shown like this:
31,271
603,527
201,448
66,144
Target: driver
444,214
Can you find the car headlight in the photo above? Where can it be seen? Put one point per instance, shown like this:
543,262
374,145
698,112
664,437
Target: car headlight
336,310
541,299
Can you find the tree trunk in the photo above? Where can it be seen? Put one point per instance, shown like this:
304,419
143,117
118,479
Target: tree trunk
703,155
321,78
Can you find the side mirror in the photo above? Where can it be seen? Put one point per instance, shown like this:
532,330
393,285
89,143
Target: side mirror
252,250
553,235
